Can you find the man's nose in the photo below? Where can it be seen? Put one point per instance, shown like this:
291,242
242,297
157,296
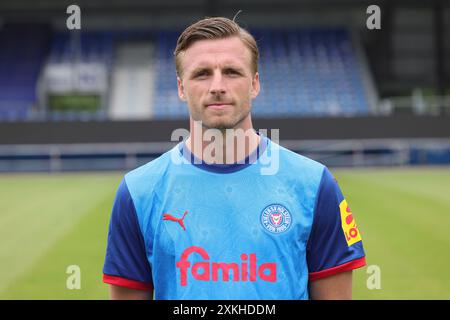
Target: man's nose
217,84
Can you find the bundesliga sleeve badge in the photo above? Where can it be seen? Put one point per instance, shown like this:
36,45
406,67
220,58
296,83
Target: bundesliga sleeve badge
275,218
349,226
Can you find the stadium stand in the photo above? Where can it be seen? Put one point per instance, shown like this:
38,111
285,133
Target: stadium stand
341,93
94,47
304,72
166,103
132,82
92,55
310,72
19,68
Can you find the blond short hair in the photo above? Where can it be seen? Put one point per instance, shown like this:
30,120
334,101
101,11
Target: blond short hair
215,28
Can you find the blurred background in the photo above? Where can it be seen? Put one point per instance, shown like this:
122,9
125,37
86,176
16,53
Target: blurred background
79,108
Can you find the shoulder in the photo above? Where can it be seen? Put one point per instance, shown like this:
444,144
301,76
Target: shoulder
150,172
297,164
142,181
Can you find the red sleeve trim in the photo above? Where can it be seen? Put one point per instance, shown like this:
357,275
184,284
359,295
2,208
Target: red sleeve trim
354,264
132,284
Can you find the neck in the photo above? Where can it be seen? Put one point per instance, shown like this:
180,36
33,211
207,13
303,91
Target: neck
224,146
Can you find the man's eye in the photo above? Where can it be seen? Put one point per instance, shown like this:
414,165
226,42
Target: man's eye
232,72
201,74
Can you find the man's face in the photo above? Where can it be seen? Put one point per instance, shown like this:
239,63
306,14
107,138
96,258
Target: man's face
217,82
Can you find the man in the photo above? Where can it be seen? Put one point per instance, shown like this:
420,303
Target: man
211,225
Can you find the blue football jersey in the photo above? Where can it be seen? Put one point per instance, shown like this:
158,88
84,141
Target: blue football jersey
260,229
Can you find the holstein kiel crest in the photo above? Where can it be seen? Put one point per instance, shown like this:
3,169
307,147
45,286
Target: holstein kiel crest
276,218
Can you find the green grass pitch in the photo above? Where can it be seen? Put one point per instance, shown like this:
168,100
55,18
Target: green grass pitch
48,222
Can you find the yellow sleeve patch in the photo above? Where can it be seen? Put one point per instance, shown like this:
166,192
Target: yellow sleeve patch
349,227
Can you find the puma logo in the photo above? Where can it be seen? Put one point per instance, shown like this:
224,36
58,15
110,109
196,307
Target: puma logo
169,217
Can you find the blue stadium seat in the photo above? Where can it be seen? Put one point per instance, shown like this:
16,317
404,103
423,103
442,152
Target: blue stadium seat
19,68
303,72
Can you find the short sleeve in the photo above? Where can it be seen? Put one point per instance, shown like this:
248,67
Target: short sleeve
335,243
126,261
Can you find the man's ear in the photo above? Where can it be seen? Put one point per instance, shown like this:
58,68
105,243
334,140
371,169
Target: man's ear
255,86
181,89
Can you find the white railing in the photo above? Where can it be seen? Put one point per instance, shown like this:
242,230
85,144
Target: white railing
127,156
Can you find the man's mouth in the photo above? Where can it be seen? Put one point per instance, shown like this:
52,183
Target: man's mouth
218,105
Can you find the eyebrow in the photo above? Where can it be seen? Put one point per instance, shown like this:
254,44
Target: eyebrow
199,69
236,68
225,67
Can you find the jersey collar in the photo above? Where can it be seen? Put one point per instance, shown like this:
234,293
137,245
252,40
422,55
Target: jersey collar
224,168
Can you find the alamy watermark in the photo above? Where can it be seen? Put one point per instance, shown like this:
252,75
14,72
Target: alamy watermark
374,280
374,20
73,281
73,22
213,142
